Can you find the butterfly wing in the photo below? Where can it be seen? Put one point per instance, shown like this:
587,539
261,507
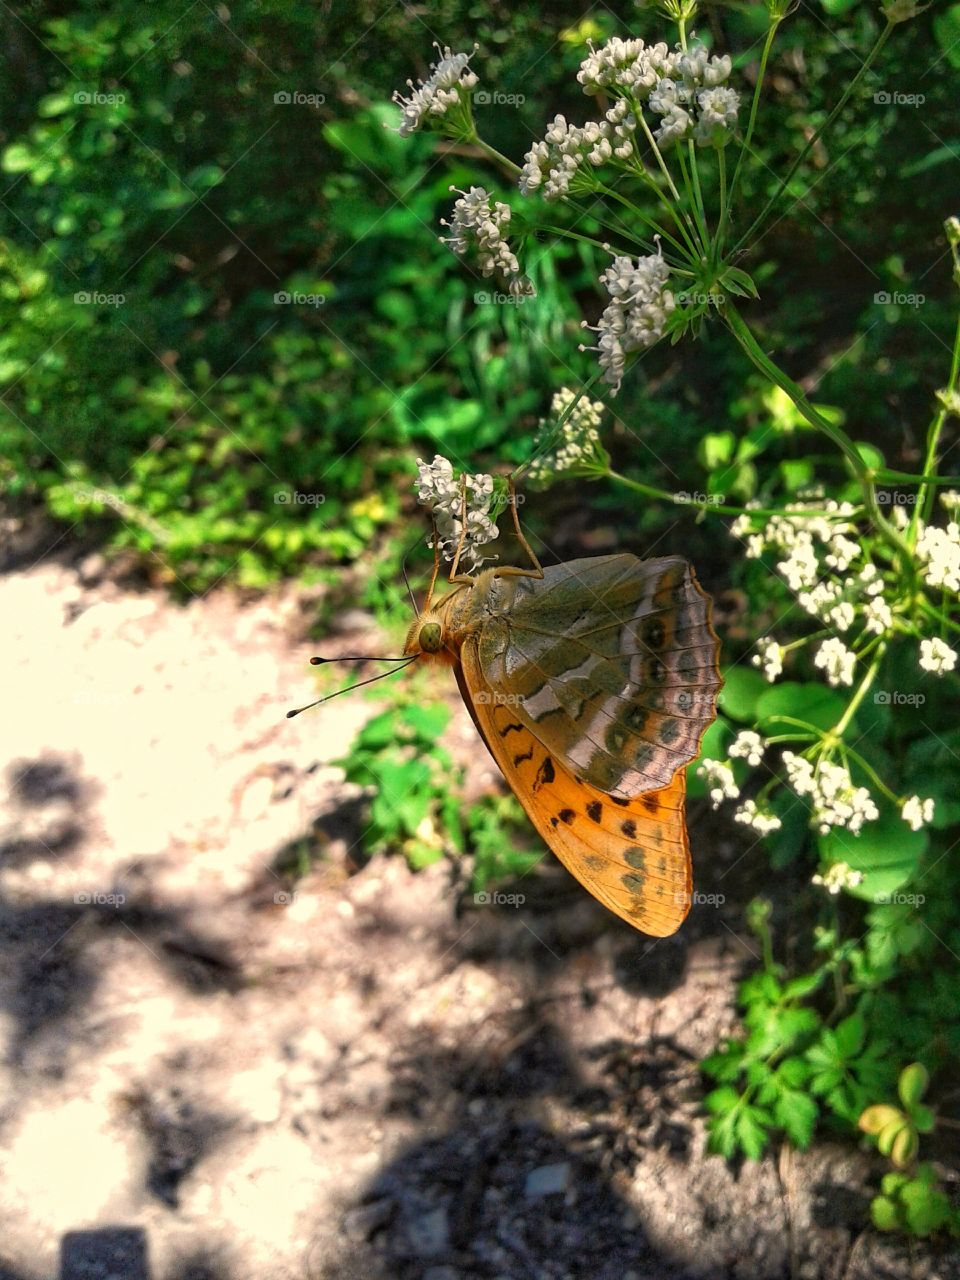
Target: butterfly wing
611,663
633,855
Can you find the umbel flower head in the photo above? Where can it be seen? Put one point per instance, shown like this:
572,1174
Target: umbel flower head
636,316
576,448
445,92
442,495
478,226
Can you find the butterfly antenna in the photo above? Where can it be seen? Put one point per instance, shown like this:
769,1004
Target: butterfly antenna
359,684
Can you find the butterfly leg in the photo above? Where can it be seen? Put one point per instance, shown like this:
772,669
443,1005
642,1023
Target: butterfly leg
436,565
537,570
454,575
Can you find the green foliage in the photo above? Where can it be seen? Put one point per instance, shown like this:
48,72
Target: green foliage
415,805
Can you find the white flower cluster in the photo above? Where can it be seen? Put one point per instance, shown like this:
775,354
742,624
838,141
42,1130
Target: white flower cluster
579,437
837,661
769,657
684,89
838,876
748,746
720,780
636,315
916,812
805,541
441,494
448,85
937,657
757,819
938,551
551,166
836,801
479,224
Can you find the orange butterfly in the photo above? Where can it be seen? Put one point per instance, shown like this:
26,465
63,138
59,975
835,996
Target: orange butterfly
592,684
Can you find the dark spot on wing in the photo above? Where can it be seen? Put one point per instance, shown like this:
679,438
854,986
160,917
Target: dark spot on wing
567,816
629,829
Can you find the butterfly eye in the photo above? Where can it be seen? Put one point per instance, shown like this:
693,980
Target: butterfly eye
430,637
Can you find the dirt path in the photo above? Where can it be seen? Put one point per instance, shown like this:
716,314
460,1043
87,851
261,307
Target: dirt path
205,1077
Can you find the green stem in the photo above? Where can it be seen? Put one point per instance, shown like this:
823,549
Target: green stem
840,727
927,494
724,200
704,504
493,154
694,198
816,136
743,334
638,213
754,106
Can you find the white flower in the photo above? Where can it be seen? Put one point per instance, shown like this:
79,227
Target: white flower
698,69
636,315
916,812
553,163
759,819
835,801
938,550
447,85
950,499
717,116
626,66
479,223
842,552
837,660
801,567
577,442
839,876
769,657
877,616
442,495
720,779
936,656
749,746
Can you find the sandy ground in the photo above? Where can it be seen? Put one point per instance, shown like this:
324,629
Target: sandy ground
209,1073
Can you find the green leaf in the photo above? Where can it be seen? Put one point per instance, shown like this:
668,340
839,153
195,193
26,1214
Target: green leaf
752,1133
811,703
886,852
885,1214
912,1083
796,1113
428,721
849,1035
742,689
716,449
721,1100
946,31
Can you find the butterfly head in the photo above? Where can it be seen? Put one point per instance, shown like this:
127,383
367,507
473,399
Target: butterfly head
429,637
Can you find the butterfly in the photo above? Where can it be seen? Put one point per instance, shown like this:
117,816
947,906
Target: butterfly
591,683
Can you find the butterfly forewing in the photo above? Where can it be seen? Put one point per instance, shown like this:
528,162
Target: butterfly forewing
631,854
610,663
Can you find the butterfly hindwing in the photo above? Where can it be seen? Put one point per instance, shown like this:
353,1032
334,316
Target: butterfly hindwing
612,665
631,854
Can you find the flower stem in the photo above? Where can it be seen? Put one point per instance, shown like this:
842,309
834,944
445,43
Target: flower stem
704,504
743,334
927,494
816,136
754,106
840,727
